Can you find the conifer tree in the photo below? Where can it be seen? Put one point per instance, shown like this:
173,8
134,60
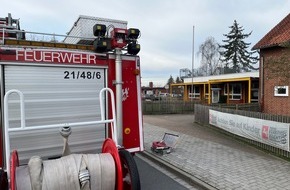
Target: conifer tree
170,80
178,80
235,52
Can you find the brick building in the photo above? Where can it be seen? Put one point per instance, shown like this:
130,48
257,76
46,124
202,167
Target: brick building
275,69
151,90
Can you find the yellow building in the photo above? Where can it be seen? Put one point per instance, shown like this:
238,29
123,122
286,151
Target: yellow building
228,88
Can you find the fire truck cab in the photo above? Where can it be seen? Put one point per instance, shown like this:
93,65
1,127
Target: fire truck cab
87,81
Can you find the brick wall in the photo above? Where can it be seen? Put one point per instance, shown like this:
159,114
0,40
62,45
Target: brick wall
276,73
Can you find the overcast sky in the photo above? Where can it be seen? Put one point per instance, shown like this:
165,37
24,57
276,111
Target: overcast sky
166,25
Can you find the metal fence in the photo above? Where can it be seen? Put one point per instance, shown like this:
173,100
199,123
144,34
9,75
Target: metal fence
249,110
167,107
202,117
255,107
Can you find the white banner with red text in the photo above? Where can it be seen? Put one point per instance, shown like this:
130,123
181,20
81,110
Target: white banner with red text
268,132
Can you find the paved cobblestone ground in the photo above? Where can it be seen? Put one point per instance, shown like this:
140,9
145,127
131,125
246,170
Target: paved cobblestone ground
215,158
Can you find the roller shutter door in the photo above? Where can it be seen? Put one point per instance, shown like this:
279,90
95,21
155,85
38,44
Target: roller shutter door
55,95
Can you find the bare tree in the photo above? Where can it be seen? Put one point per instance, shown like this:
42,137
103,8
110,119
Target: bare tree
210,56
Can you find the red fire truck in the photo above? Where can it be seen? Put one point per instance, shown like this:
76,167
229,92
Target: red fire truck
79,97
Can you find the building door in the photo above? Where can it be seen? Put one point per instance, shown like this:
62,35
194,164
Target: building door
215,95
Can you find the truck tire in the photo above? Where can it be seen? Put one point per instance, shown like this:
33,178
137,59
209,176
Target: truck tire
3,180
130,171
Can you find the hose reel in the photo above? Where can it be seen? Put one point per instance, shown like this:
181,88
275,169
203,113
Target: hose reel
71,172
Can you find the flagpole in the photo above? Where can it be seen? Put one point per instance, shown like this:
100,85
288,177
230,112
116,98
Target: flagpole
192,62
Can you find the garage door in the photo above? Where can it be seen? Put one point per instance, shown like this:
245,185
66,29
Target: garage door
55,95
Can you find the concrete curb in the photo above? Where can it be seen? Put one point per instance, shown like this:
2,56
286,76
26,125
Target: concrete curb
178,172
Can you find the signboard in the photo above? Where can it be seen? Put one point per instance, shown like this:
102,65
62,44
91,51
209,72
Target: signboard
52,56
268,132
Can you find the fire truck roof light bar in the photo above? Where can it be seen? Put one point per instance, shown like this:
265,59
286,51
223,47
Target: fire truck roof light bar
133,48
99,30
24,128
125,39
133,33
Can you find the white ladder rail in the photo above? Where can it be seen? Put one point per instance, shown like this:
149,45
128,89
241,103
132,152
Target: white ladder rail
24,128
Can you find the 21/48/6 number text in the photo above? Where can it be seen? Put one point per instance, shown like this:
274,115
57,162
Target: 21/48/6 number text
82,75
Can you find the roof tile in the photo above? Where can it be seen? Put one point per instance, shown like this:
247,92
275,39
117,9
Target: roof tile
279,35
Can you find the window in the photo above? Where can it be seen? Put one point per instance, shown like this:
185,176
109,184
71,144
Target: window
255,84
195,93
235,91
281,91
254,95
255,91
